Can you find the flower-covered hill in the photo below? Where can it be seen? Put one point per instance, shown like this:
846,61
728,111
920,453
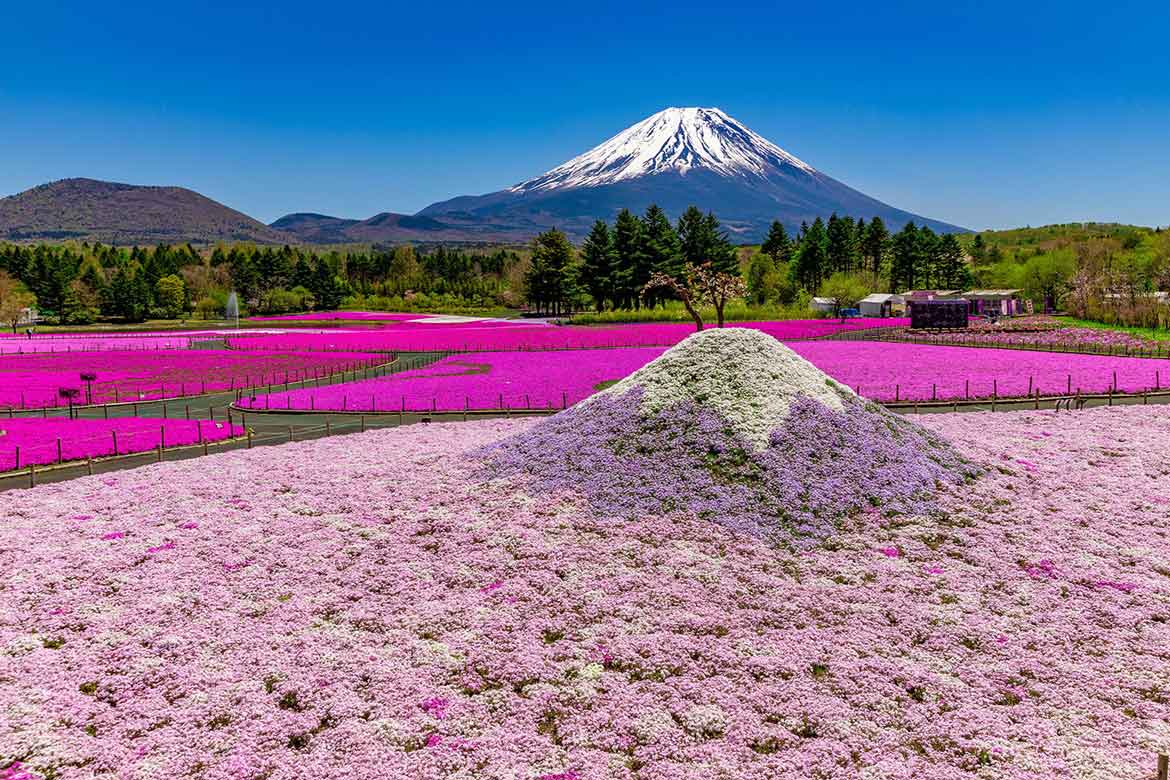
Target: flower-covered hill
367,607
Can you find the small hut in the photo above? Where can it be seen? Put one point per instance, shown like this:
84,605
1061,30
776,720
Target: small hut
823,305
882,305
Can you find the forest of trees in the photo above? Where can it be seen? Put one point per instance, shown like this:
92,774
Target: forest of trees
615,261
76,284
1109,273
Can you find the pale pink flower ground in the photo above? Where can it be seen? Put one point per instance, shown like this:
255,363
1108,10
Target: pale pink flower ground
399,618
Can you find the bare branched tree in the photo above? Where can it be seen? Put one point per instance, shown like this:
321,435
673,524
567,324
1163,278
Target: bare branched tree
702,285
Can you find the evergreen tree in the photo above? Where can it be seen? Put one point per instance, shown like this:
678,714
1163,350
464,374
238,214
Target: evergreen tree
761,278
659,252
812,259
904,249
627,231
597,264
875,244
952,268
129,295
926,259
840,244
553,274
702,240
777,245
978,249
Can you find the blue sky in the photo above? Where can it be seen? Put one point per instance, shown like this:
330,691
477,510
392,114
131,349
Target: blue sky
988,114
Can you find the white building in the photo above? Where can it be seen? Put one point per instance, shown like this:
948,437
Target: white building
882,305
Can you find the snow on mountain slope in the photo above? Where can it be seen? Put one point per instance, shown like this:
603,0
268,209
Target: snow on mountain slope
675,140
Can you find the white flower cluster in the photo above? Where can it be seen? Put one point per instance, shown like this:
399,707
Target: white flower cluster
748,377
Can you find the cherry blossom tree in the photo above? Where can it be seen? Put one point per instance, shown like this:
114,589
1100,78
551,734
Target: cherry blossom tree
701,285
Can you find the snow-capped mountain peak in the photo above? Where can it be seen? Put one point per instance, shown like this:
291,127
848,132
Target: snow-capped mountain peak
677,140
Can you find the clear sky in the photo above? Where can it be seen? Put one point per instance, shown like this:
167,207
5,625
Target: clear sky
985,114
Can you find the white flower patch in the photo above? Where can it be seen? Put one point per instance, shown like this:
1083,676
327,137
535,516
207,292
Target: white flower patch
746,376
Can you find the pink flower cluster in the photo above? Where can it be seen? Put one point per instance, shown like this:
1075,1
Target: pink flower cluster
483,380
347,316
106,341
34,381
334,619
494,337
1044,332
33,441
885,371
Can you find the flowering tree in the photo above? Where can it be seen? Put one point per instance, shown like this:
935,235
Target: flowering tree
702,285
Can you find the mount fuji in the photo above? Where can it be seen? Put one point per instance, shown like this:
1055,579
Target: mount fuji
675,158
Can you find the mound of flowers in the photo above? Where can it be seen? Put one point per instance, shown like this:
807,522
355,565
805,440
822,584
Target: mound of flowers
35,380
733,426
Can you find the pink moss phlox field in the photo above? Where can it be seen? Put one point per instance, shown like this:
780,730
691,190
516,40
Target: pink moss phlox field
54,344
348,316
483,380
322,610
882,370
885,370
80,439
1042,330
484,337
33,381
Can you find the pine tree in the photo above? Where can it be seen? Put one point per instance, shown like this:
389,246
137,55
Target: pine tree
812,259
659,250
951,268
904,258
777,246
627,231
597,264
875,244
840,244
552,257
926,259
703,241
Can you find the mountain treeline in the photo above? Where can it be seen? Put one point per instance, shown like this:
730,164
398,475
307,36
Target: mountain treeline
839,256
614,264
76,284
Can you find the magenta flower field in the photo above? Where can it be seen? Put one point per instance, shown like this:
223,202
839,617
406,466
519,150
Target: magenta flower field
34,442
373,609
34,381
884,371
506,336
483,380
348,316
52,344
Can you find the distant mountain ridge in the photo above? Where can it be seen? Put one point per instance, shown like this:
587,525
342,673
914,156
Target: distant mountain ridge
115,213
675,158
